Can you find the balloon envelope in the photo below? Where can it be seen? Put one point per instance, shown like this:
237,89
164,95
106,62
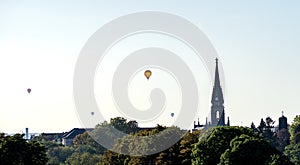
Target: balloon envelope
172,114
147,73
92,113
28,90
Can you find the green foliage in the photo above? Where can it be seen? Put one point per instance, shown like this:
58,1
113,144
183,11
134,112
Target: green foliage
110,157
135,146
15,150
85,150
292,151
121,124
269,122
265,129
59,154
262,126
186,145
85,143
219,145
83,158
106,132
236,145
270,137
278,160
208,151
247,150
295,129
179,153
169,156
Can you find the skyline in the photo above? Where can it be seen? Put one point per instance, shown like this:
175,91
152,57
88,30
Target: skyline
257,43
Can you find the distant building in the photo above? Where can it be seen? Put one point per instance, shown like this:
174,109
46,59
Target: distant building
282,123
55,137
67,138
217,112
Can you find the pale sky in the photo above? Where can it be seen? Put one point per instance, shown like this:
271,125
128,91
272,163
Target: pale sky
258,43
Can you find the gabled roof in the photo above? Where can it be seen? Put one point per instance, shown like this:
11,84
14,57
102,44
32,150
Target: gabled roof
74,132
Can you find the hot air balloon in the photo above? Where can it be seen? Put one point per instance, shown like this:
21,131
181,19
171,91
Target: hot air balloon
148,74
172,114
29,90
92,113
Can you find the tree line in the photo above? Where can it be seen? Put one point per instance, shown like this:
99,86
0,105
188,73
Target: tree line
219,145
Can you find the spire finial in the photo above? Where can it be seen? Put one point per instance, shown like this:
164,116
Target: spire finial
217,60
282,113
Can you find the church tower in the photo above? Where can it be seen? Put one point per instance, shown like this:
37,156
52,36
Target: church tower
217,101
217,106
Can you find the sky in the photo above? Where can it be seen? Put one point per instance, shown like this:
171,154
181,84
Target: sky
258,43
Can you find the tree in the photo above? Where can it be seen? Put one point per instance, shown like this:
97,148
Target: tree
248,151
110,157
262,125
297,137
278,160
169,156
143,146
269,122
121,124
265,129
253,127
211,146
186,145
295,129
85,143
15,150
59,154
292,151
83,158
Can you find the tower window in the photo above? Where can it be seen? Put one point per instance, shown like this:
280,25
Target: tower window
217,114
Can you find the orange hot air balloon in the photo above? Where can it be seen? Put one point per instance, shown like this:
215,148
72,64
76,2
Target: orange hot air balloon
148,74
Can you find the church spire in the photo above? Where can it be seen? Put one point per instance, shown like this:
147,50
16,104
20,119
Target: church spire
217,95
217,77
217,108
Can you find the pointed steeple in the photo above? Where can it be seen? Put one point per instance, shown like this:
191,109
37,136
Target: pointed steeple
217,101
217,77
217,95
